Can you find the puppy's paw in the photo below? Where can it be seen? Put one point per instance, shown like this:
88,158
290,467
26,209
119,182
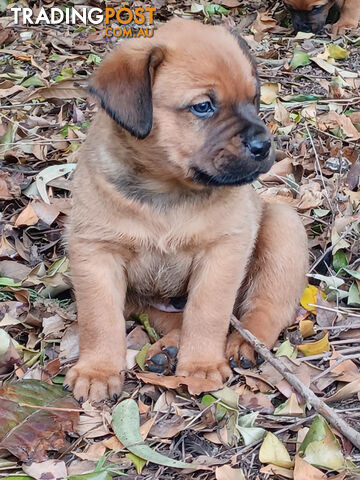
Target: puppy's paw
94,381
211,369
240,353
162,354
340,27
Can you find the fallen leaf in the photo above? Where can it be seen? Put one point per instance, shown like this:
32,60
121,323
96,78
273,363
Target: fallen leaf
269,93
28,432
344,393
195,385
66,89
304,471
290,408
314,348
306,328
27,217
320,446
50,469
126,426
273,451
228,473
277,471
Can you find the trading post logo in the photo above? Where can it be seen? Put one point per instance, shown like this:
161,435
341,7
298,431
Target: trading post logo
121,22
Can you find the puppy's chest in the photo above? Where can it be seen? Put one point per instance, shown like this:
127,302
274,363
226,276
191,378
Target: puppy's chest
154,274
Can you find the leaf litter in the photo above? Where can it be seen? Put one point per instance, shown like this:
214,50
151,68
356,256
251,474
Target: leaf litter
258,426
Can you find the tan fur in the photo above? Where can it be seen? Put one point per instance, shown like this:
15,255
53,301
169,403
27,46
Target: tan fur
171,236
349,13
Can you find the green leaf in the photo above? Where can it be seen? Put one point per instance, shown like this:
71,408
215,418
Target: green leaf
33,81
286,350
339,260
300,98
213,9
299,59
353,273
220,409
18,477
354,296
320,446
337,52
92,58
126,426
139,463
228,397
8,282
142,355
144,320
251,434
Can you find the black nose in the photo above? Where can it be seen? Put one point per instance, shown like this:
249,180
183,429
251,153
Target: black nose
259,148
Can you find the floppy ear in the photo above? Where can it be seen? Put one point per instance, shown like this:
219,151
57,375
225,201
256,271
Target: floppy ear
122,83
245,48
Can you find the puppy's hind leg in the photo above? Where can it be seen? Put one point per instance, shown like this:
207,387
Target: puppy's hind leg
275,281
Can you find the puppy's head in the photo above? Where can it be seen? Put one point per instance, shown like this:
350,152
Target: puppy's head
191,95
308,15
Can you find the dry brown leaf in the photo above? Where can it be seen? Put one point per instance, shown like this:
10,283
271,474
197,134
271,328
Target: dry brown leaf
195,385
345,393
263,23
255,401
167,427
67,89
346,371
229,473
279,169
304,471
93,453
27,217
275,470
54,469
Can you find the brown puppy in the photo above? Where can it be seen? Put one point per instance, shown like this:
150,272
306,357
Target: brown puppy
162,208
311,15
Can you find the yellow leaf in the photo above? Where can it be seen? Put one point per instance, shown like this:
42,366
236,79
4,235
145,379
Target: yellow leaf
273,451
278,471
314,348
269,92
308,297
337,52
307,328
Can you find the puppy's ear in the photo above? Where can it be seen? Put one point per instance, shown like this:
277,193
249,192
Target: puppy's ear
245,48
123,85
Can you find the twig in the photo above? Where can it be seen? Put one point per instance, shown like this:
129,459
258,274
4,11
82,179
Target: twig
327,412
56,409
317,163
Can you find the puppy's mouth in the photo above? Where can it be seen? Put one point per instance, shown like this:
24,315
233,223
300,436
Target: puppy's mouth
225,179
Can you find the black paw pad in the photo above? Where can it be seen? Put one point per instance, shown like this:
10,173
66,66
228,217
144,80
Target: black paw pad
245,363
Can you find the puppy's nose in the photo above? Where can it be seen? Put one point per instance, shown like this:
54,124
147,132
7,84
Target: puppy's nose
259,148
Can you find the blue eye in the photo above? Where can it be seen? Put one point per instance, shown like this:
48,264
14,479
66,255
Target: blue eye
203,110
318,8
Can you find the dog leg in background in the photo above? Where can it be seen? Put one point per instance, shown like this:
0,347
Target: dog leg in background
275,281
211,297
349,17
100,287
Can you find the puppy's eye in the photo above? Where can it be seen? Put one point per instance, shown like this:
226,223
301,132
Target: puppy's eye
203,110
318,8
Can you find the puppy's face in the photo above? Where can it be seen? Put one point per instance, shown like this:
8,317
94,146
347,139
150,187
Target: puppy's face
309,15
195,104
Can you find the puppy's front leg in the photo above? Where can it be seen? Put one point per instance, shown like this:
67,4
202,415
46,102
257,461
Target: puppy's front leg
212,293
100,289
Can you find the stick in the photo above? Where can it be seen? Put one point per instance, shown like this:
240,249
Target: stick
327,412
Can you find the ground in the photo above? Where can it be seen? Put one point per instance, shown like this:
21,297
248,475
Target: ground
310,101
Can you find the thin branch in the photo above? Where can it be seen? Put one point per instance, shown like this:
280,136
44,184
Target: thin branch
277,362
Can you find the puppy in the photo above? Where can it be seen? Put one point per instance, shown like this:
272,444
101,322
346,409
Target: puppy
162,207
311,15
